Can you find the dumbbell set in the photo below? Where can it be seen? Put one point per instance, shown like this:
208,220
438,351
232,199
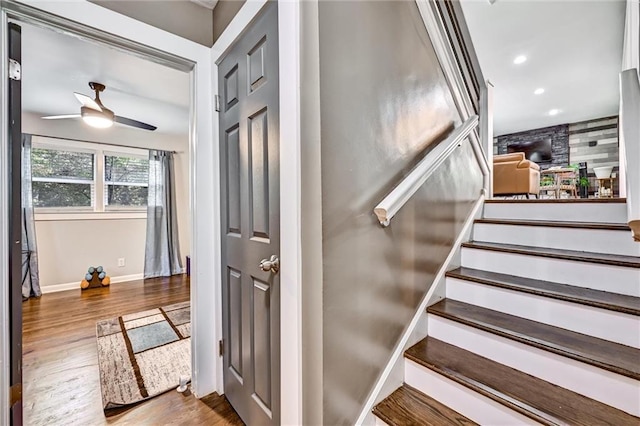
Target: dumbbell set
95,277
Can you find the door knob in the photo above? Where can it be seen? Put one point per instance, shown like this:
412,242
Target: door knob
272,264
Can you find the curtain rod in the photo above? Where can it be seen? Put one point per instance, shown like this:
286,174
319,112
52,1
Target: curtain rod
99,143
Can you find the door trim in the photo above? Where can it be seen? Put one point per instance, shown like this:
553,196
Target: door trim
290,197
5,328
152,43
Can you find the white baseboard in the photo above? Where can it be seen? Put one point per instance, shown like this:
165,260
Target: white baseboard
76,284
418,320
126,278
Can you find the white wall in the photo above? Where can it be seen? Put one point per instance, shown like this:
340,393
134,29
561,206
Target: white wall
63,252
67,248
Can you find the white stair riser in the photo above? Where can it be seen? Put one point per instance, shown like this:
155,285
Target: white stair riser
614,279
613,389
576,212
581,239
465,401
602,323
380,422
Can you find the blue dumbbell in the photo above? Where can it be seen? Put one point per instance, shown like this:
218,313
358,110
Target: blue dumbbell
99,269
91,269
102,274
88,277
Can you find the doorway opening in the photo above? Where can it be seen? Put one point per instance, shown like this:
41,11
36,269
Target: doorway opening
93,195
107,155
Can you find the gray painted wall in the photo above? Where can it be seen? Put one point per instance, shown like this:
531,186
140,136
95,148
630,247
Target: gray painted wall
180,17
223,13
383,102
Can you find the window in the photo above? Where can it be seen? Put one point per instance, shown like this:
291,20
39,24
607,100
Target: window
63,178
126,180
72,177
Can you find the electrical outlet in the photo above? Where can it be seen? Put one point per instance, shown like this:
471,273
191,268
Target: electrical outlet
121,262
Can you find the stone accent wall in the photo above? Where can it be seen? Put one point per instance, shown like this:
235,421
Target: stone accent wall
596,142
559,136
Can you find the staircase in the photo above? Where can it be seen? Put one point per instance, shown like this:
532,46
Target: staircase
540,325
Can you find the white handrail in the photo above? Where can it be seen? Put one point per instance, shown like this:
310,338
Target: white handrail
483,143
397,198
629,136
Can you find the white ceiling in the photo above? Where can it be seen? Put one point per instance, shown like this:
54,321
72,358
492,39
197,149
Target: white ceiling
55,65
573,50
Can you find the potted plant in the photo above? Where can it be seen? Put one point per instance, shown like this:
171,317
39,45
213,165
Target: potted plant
547,180
582,183
583,187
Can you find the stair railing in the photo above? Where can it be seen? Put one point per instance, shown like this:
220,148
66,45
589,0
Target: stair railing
629,139
410,184
629,124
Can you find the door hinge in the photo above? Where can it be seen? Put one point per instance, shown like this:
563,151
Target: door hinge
15,70
217,101
15,394
220,348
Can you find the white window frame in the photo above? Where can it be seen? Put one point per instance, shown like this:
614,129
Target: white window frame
98,210
141,154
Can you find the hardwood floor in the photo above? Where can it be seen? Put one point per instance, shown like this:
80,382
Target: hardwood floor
585,296
409,407
531,396
61,383
580,256
617,358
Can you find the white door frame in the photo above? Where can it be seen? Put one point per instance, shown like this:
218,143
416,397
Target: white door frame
203,183
290,201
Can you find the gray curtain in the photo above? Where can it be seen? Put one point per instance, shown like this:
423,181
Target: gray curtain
30,273
162,251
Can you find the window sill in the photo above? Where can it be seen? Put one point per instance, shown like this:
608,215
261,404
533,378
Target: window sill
110,215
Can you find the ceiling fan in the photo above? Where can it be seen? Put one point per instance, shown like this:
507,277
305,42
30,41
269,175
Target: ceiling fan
95,114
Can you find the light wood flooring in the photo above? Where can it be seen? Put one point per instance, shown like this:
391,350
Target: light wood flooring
61,383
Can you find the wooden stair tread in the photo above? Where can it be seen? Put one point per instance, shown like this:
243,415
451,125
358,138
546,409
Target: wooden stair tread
601,353
558,224
556,200
580,256
407,406
585,296
528,395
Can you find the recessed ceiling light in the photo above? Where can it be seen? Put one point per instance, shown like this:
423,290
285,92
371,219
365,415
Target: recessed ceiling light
538,91
519,59
554,111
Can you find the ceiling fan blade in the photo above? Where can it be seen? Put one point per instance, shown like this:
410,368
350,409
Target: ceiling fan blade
87,101
59,117
134,123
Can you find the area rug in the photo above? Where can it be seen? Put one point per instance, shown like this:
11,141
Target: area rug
144,354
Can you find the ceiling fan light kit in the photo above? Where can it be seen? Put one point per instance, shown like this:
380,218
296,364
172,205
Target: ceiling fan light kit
95,114
99,119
